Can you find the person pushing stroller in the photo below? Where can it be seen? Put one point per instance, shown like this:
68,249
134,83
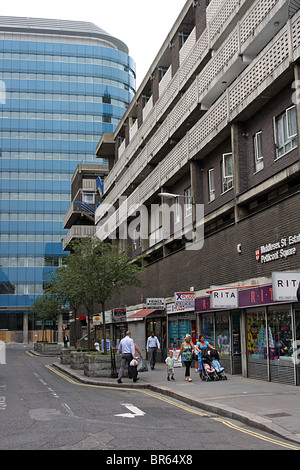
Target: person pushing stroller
202,345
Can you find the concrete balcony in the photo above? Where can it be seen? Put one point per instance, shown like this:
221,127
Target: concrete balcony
243,44
78,231
78,209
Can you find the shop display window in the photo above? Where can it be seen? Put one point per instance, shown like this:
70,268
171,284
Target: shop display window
222,333
280,335
208,329
273,337
256,335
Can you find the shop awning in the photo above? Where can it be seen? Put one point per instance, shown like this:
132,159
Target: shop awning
140,314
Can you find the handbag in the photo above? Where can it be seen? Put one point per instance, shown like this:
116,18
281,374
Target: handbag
142,366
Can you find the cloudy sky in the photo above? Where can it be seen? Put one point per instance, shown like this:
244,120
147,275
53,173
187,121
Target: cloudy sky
142,24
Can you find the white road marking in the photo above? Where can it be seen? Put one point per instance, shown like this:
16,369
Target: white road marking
135,411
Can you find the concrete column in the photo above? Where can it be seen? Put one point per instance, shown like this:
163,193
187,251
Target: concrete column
25,327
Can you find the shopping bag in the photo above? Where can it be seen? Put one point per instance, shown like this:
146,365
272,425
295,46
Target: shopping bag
142,366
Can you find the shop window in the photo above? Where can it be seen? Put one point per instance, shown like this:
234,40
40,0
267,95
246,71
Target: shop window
280,336
273,338
208,328
285,131
222,334
258,151
227,172
256,332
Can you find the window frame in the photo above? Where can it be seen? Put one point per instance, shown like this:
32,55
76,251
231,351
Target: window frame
290,141
227,180
211,185
258,158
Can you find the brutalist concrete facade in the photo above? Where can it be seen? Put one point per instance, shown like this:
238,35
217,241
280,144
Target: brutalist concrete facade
215,124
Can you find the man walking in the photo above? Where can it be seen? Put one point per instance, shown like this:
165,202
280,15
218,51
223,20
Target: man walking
152,347
126,348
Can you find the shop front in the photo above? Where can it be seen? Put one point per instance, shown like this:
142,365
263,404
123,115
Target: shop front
142,322
119,325
272,336
259,339
223,331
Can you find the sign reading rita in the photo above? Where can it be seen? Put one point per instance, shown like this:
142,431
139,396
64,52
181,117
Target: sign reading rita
223,297
286,286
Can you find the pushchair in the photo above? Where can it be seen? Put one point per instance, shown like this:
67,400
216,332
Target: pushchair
211,367
215,358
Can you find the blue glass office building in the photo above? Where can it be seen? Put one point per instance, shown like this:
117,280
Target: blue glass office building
62,84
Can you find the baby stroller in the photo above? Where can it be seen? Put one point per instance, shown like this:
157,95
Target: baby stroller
211,367
208,371
220,371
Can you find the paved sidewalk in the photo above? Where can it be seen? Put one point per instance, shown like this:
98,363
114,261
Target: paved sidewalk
266,406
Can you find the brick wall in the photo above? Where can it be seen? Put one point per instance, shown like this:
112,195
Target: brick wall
218,262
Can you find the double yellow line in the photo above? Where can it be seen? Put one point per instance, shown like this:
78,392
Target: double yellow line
287,445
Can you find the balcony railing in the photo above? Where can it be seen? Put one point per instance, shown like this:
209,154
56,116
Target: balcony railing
78,231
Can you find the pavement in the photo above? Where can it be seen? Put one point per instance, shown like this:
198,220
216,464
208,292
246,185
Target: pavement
267,406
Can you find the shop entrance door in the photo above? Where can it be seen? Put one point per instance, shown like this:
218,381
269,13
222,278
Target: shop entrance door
236,344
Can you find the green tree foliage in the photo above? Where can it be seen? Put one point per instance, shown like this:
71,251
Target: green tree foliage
94,273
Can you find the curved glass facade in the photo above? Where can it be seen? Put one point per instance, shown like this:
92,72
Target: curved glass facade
58,94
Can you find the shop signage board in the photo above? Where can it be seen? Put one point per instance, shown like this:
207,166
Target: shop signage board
285,286
97,319
119,315
223,297
184,301
155,304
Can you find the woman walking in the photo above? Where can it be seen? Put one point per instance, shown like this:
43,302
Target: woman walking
202,345
186,351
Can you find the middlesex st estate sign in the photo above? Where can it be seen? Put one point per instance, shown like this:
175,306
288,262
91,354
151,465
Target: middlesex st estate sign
281,249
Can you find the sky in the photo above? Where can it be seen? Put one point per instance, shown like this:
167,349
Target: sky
142,24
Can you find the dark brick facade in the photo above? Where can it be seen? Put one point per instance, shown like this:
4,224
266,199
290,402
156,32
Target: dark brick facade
218,262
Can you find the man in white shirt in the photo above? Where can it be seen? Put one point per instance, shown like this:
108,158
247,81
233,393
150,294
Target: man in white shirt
152,347
126,348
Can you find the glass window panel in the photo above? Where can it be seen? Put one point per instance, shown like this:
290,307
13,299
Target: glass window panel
280,335
222,333
256,332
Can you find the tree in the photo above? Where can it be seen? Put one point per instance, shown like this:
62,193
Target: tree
104,273
94,273
47,307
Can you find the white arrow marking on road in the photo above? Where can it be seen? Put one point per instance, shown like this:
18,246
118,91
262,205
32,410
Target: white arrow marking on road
135,411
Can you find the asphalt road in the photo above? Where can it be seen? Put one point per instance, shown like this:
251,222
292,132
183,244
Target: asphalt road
43,409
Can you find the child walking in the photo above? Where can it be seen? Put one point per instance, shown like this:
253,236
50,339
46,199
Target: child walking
170,361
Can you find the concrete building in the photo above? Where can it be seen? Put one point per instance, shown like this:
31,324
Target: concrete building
205,179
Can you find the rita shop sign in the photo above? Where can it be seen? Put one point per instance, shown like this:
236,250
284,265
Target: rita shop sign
282,249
